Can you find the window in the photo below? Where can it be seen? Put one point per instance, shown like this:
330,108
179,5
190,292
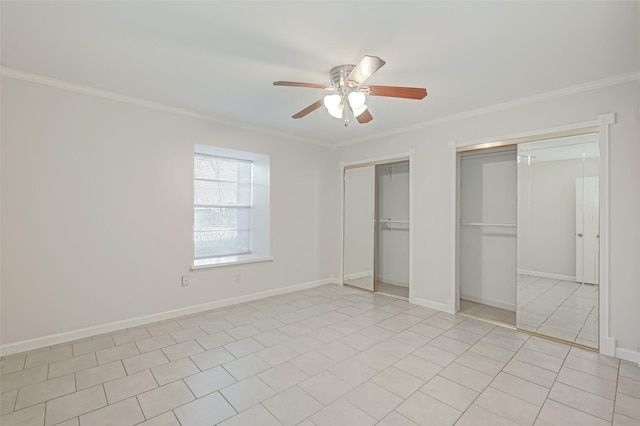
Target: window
231,206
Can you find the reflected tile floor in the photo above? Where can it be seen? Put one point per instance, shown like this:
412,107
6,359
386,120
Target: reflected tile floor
330,355
563,309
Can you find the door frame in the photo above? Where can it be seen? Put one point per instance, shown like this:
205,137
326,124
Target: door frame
602,127
403,156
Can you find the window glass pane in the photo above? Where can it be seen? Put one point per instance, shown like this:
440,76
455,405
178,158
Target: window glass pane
214,219
244,172
220,243
207,192
225,169
222,186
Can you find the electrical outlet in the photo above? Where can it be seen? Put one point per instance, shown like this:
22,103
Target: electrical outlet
237,278
185,280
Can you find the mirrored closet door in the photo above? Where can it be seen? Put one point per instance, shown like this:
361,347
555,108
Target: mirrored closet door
558,238
359,227
376,228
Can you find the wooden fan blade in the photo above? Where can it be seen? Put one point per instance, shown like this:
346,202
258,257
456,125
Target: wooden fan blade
365,69
365,117
296,84
309,109
398,92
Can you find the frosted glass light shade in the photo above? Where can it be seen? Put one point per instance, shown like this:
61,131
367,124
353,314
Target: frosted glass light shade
334,105
357,112
357,100
332,101
336,111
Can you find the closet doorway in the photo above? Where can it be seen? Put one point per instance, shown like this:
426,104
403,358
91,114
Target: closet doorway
528,235
376,227
487,233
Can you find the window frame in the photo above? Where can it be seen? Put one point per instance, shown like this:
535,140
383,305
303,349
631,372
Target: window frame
259,208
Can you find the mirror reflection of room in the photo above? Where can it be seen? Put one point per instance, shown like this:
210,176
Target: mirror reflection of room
558,238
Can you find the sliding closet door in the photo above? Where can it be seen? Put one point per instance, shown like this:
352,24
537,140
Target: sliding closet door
558,238
359,211
487,260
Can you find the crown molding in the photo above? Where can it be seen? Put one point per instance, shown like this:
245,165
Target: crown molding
105,94
571,90
132,100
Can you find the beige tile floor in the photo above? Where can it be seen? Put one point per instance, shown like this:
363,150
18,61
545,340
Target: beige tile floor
330,355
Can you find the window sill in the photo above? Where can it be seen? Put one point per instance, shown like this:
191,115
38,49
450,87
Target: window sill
232,261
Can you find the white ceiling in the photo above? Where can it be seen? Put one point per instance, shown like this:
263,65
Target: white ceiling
220,58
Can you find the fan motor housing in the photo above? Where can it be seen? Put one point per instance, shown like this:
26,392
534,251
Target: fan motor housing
339,74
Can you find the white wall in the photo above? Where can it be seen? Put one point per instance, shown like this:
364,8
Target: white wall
392,245
487,260
97,212
432,179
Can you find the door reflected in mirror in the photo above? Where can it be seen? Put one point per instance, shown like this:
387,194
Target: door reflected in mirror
558,238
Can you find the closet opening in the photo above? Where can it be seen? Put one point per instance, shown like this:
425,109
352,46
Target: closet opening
392,229
376,227
487,234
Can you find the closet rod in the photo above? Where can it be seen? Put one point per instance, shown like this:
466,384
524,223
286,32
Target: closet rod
392,221
488,224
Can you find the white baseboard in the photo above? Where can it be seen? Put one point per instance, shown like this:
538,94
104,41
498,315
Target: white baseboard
68,336
489,302
609,347
444,307
546,275
628,355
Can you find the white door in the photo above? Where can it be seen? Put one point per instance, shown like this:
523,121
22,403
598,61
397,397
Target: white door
587,229
359,226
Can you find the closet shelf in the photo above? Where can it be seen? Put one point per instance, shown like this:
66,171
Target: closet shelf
393,221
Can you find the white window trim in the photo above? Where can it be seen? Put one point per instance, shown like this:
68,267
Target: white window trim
220,262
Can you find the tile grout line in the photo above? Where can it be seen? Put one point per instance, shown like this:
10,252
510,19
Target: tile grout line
551,388
489,385
615,395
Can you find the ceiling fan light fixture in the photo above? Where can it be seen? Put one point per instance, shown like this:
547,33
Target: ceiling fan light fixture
336,111
333,104
346,83
332,101
358,111
357,100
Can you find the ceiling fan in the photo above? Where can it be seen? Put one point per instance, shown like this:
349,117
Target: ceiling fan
350,93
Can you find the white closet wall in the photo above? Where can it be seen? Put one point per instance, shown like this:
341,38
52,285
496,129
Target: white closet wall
488,210
392,248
